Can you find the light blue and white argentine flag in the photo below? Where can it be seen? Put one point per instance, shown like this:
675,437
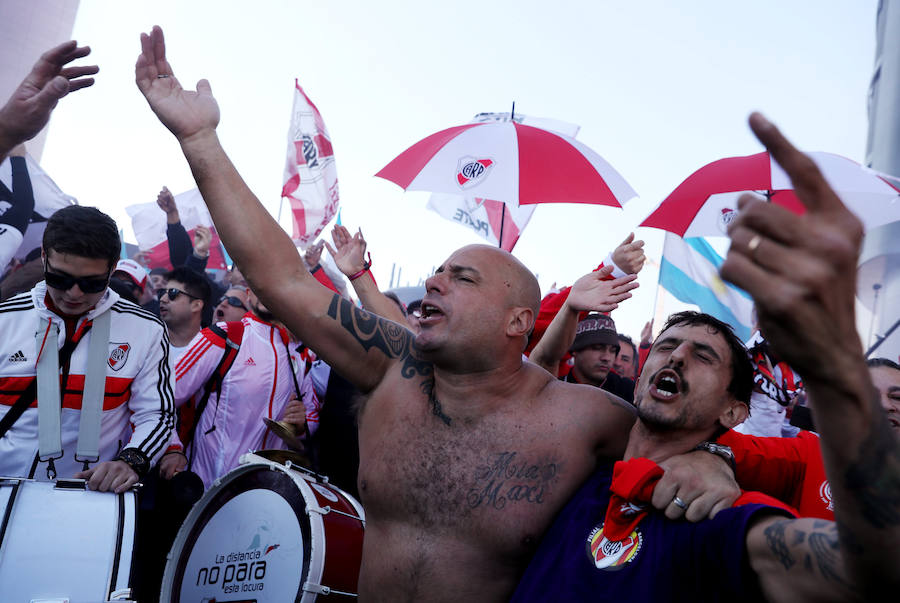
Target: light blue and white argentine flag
690,271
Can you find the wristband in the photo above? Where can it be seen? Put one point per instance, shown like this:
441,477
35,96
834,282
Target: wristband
135,459
315,269
365,269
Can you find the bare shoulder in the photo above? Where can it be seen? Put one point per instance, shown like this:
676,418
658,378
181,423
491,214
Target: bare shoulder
599,416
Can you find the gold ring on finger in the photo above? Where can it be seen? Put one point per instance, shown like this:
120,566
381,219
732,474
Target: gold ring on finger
753,244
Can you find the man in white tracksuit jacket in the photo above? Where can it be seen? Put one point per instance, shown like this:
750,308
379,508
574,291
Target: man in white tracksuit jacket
81,246
260,384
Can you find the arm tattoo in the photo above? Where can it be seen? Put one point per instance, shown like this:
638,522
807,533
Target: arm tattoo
818,547
372,331
775,538
826,552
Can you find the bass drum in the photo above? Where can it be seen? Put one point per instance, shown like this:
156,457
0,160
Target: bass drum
267,532
62,542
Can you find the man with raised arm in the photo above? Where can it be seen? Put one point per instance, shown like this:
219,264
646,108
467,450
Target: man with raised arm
799,271
467,451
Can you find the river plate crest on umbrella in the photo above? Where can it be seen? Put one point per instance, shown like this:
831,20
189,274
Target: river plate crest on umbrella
706,202
508,161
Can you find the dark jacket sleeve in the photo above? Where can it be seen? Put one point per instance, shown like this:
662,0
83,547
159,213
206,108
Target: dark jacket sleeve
195,263
180,245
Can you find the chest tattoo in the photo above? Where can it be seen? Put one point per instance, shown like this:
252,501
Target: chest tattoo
507,477
436,409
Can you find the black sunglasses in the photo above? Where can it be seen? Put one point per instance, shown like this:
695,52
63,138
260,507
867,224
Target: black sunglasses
231,300
64,282
173,293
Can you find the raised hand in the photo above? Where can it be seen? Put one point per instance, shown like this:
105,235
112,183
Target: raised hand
186,113
798,269
647,334
313,254
143,258
591,293
202,240
351,250
28,109
629,255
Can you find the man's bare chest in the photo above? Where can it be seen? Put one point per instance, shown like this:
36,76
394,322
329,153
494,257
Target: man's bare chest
495,478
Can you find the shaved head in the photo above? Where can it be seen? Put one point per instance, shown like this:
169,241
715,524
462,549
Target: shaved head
523,290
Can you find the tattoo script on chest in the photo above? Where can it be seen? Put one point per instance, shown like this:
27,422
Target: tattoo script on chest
508,477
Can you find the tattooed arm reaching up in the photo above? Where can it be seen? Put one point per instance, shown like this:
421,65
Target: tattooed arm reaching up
800,271
275,269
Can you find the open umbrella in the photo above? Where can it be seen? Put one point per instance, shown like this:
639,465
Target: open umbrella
508,161
706,201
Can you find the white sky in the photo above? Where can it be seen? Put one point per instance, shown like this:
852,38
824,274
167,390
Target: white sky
659,89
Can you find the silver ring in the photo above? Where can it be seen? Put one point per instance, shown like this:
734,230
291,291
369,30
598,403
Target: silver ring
162,75
679,503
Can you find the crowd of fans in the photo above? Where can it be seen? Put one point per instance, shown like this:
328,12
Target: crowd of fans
236,351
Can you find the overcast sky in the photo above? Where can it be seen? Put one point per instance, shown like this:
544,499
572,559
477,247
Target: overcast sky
658,88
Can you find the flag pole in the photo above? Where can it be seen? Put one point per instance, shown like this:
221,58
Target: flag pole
512,118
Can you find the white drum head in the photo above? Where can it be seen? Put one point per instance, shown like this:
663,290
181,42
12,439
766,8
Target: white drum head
248,538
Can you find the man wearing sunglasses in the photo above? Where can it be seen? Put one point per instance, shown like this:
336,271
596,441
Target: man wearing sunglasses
181,305
261,383
232,305
67,311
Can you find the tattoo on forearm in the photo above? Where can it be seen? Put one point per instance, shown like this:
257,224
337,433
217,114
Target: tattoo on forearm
507,477
372,331
875,477
825,549
816,547
775,537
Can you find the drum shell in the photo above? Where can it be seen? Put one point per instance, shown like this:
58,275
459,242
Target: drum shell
59,539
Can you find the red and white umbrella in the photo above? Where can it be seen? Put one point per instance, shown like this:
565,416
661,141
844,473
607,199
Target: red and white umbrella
706,201
508,161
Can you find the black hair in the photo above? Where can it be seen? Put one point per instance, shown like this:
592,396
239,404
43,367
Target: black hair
629,341
741,385
876,362
194,283
83,231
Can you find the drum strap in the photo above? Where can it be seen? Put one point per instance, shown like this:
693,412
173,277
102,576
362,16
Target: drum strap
88,450
48,391
233,337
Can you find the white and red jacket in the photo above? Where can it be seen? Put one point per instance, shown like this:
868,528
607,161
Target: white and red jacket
259,384
138,402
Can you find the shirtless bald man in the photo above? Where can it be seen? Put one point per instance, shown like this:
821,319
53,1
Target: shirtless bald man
467,452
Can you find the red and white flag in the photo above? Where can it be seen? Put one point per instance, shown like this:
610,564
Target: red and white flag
498,222
489,219
310,174
149,224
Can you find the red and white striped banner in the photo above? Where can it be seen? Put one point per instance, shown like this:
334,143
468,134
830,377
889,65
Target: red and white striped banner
310,174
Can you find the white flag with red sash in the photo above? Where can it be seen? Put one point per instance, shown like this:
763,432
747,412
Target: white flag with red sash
310,174
149,224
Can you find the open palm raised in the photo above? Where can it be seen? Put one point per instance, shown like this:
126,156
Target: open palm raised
185,113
